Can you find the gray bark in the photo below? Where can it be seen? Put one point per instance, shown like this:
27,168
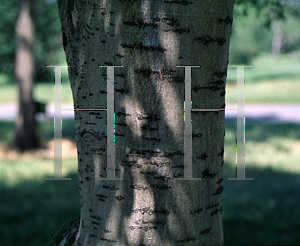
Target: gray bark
149,38
25,137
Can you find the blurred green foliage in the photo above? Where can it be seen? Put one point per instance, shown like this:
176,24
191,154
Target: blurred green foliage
251,33
48,42
251,29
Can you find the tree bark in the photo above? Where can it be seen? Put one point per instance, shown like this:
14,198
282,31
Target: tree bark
149,38
25,137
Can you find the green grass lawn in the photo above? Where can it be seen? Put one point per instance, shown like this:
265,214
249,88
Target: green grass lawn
261,212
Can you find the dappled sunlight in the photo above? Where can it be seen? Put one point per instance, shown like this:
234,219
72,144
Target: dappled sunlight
133,108
97,166
112,222
142,199
170,41
146,10
172,110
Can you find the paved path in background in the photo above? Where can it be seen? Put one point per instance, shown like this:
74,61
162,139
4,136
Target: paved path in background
269,113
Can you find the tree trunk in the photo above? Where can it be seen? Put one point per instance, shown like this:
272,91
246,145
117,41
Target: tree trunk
278,37
149,38
25,137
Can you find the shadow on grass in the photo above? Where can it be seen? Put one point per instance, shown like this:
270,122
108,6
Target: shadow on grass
31,208
261,212
265,211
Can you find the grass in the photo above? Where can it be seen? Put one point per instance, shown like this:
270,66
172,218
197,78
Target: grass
260,212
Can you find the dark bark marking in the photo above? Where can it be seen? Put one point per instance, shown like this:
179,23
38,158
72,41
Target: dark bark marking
221,153
186,239
203,156
107,240
167,21
194,211
207,174
119,197
103,92
215,212
101,197
226,20
196,135
180,31
107,231
150,211
205,231
138,187
218,82
179,166
140,24
220,74
183,2
207,40
150,221
144,228
176,79
149,172
95,217
220,41
121,113
151,117
122,91
140,46
219,190
219,181
214,205
163,178
89,123
171,154
151,139
94,113
177,175
148,127
213,88
112,188
161,187
119,55
89,138
95,223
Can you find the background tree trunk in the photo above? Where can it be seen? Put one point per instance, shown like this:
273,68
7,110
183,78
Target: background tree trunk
25,137
149,38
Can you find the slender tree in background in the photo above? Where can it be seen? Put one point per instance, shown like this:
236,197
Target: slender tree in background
25,137
149,38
